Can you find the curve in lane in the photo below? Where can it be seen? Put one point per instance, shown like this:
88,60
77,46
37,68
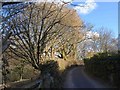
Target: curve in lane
77,78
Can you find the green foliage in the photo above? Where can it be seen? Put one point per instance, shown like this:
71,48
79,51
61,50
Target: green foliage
105,65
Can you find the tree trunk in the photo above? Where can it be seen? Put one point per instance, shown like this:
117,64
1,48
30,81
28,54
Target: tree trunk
64,55
21,77
75,52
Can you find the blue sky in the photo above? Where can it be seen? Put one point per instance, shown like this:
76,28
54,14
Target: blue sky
102,14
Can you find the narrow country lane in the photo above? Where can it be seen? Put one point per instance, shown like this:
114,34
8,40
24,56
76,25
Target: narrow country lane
77,78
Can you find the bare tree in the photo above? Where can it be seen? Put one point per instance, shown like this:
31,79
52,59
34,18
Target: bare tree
33,28
67,38
105,39
8,11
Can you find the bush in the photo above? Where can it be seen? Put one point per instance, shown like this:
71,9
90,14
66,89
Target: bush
16,73
51,67
13,76
29,72
106,66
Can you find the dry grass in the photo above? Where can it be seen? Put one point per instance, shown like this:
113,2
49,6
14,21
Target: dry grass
63,64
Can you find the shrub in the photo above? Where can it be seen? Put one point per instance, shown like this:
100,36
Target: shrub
51,67
104,65
13,76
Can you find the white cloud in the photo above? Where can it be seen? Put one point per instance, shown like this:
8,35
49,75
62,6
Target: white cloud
86,8
56,1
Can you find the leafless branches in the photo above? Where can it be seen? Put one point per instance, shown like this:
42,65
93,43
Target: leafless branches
38,26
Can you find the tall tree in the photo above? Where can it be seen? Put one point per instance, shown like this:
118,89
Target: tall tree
66,39
34,28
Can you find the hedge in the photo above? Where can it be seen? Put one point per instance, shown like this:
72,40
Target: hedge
105,66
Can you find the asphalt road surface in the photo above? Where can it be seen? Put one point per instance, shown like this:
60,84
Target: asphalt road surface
77,78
